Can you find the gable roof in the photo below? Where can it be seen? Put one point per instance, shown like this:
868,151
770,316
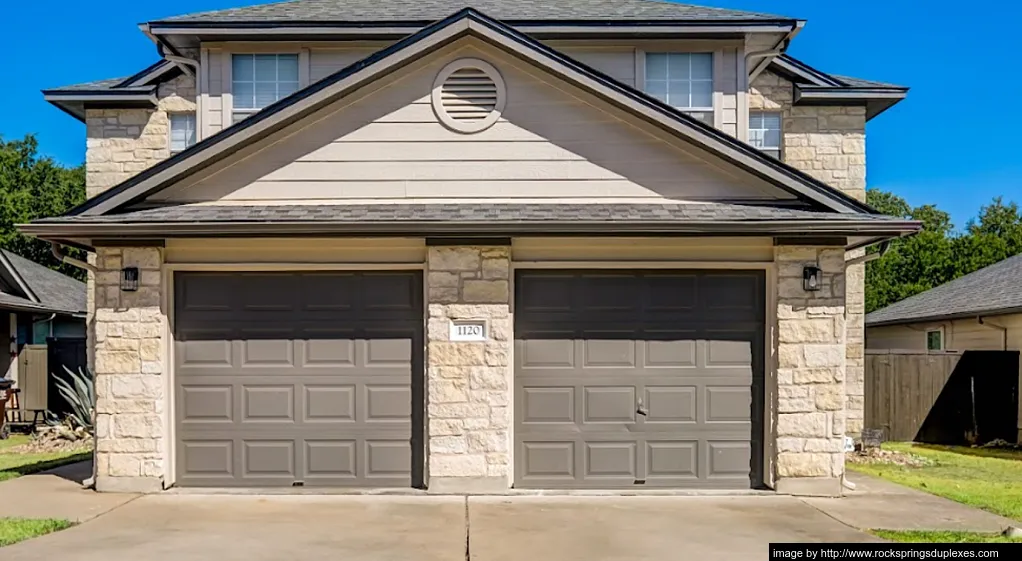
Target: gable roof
993,290
374,11
815,87
137,90
463,23
42,288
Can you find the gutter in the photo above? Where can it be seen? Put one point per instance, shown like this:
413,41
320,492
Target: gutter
161,230
943,317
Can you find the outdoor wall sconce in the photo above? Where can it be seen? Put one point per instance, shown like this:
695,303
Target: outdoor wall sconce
812,278
129,279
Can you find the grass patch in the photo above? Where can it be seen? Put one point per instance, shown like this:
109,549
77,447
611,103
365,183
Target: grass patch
15,465
989,479
14,530
941,536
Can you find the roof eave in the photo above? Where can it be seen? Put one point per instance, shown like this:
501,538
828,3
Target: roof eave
875,99
881,229
945,317
75,102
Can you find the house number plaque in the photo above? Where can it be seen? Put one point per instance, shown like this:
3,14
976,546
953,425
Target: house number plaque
468,330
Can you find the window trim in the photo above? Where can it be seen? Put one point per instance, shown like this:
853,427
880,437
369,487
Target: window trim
170,130
642,79
227,76
780,129
940,333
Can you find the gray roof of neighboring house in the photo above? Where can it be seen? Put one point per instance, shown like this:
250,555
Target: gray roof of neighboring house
993,290
431,10
55,291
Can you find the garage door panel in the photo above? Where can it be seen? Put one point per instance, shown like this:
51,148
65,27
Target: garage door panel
324,394
329,403
653,388
609,404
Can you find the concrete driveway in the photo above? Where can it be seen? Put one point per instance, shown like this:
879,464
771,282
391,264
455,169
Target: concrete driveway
381,528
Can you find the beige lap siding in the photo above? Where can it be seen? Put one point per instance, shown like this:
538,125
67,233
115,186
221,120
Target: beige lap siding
130,380
828,143
468,383
810,372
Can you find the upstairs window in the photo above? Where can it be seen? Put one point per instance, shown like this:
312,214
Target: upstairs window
258,80
765,132
682,80
182,131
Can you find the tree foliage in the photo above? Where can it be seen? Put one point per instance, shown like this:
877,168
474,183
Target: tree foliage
939,253
33,187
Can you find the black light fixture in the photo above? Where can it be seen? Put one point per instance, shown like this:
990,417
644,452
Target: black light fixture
812,278
129,279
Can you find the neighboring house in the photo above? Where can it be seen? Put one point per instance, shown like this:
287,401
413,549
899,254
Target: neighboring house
981,311
36,303
553,245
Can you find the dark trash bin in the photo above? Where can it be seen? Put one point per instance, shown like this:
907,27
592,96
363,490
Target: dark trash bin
5,393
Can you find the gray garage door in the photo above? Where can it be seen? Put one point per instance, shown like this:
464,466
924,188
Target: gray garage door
287,379
628,379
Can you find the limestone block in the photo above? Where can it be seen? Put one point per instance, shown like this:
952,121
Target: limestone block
806,425
460,465
803,465
488,291
454,259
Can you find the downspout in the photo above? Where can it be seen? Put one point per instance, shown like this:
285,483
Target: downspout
778,50
58,252
884,246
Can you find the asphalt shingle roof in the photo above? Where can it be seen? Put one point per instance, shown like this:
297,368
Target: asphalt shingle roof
994,289
511,213
861,83
432,10
93,86
56,291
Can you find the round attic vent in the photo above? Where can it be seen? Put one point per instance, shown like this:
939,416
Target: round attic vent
468,95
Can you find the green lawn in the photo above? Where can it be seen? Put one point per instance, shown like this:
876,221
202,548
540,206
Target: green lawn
941,536
983,478
14,530
15,465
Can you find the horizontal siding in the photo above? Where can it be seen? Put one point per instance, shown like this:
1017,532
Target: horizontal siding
895,337
324,62
643,249
960,335
549,143
616,62
214,121
306,250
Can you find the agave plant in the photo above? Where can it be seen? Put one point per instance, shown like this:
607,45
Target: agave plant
80,394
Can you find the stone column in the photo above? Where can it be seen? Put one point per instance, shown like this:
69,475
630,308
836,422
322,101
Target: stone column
468,383
129,361
810,372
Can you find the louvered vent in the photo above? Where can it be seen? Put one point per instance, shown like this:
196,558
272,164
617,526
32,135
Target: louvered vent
468,95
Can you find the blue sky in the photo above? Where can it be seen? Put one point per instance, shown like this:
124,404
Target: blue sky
953,142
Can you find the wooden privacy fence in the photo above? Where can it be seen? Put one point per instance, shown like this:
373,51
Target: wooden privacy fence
902,387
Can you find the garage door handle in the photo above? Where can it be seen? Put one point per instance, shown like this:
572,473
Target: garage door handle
641,410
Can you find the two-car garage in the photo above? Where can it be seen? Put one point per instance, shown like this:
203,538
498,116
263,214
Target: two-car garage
622,378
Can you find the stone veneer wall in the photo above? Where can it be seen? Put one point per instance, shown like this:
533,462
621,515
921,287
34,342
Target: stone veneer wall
128,333
468,383
120,143
810,372
828,143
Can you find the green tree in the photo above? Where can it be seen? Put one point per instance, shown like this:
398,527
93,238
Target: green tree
938,254
33,187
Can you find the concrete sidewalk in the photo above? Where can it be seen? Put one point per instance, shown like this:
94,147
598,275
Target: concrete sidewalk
57,493
876,504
